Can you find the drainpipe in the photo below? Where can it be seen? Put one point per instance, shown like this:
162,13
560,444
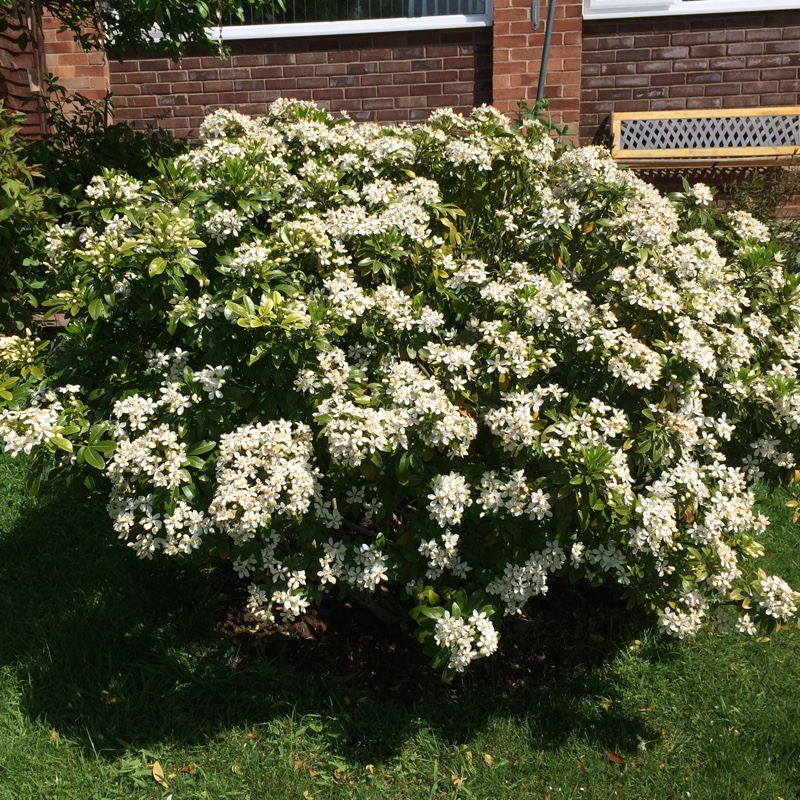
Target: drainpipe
548,32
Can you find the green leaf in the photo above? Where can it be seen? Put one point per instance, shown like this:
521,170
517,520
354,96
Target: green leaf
105,446
93,458
199,448
61,443
96,308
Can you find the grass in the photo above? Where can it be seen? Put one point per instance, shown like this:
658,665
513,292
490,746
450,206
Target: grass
109,664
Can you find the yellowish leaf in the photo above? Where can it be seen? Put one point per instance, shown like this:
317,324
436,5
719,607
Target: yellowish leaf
312,773
297,765
54,735
457,782
337,774
371,769
235,769
158,776
488,759
614,758
647,709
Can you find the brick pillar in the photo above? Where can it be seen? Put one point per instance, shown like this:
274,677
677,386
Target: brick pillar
518,57
85,73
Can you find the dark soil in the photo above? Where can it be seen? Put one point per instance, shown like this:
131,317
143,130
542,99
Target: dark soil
568,632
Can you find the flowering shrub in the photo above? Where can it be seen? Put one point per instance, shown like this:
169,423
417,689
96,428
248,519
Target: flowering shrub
449,359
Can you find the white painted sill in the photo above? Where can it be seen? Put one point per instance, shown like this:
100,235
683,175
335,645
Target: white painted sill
233,33
633,9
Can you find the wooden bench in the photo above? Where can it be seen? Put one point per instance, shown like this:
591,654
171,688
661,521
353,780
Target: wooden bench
731,137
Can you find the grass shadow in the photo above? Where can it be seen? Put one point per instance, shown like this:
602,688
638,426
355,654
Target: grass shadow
118,653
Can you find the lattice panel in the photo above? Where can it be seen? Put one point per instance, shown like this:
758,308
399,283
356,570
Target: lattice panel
710,132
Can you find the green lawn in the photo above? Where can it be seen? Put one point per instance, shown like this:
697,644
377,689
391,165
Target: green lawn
108,664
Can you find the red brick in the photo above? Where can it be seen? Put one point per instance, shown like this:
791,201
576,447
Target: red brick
658,67
617,69
690,65
727,63
232,73
302,71
267,72
763,35
666,53
311,83
704,77
725,35
723,89
668,105
704,102
669,79
376,80
311,58
688,91
694,38
741,102
344,80
748,49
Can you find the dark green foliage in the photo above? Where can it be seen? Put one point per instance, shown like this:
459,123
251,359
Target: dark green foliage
83,139
22,220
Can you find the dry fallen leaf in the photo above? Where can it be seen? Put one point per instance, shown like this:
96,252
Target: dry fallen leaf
371,769
488,759
251,735
580,765
158,776
54,735
614,758
336,774
189,768
457,782
312,773
647,709
297,764
235,769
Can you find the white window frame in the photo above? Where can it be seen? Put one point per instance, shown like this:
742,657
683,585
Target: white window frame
230,33
618,9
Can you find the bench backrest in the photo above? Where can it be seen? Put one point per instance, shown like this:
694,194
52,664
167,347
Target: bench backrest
718,133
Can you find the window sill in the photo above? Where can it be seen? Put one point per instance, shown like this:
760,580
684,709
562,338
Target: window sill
233,33
628,9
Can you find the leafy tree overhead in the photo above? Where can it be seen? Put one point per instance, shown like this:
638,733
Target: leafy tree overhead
168,26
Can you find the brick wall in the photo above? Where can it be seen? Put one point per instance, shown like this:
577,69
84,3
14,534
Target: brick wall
388,77
739,60
86,73
518,56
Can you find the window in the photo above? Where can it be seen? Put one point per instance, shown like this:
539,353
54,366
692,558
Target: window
332,17
615,9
